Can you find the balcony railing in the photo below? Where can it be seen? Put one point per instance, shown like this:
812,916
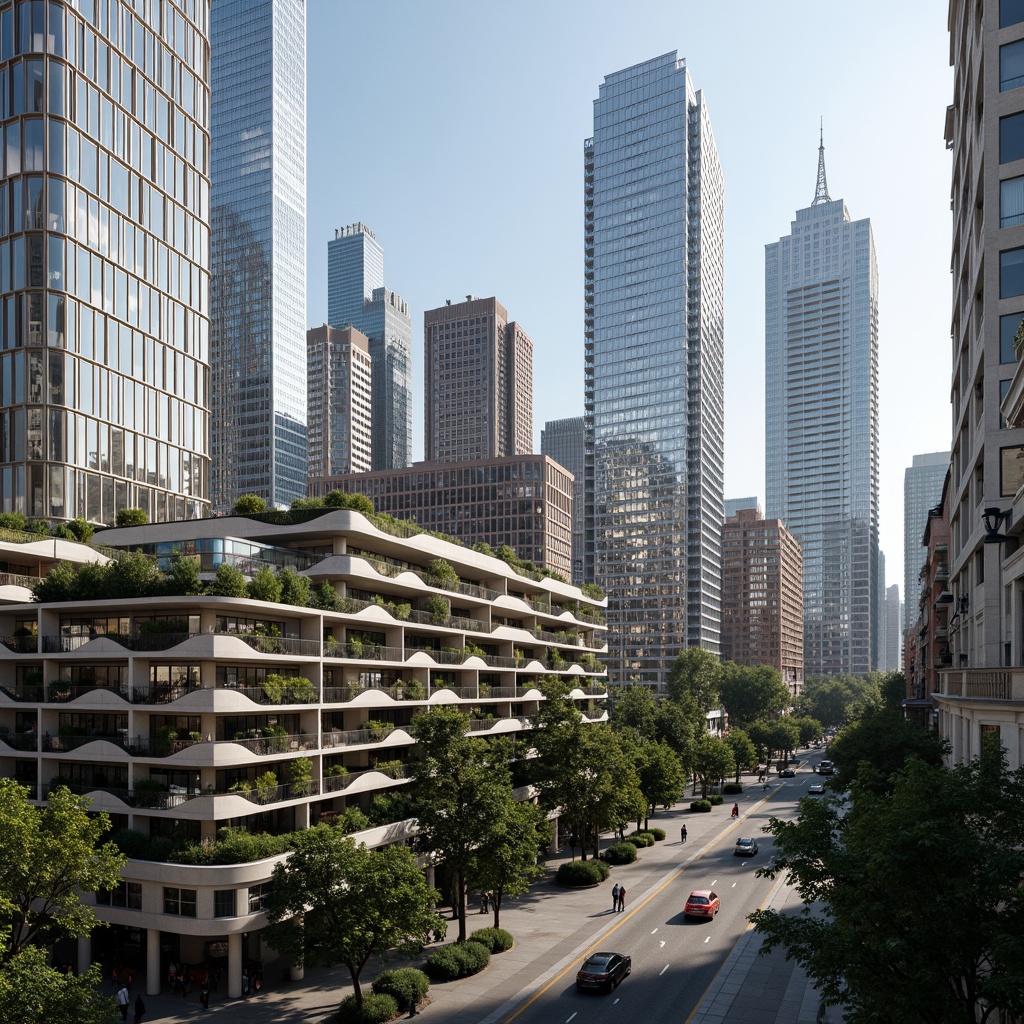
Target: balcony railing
267,745
21,644
354,737
20,740
64,644
362,651
277,644
983,684
337,783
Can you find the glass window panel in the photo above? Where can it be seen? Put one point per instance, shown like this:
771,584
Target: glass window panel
1011,66
1011,138
1007,330
1011,273
1011,12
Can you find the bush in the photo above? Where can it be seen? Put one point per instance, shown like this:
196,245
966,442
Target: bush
701,806
637,842
132,517
658,833
647,837
581,872
716,799
376,1009
497,940
732,788
407,986
620,853
459,960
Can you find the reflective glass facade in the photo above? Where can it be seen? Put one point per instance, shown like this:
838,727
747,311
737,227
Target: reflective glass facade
104,292
565,442
821,427
258,250
654,280
356,297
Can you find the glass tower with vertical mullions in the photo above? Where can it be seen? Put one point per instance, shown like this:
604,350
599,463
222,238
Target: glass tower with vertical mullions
104,286
922,491
654,293
821,425
564,441
356,297
258,250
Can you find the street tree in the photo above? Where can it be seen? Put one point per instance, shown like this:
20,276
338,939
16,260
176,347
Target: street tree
48,857
752,692
776,734
636,709
713,760
335,902
662,779
460,793
33,992
835,700
743,750
506,862
693,683
810,729
674,727
913,905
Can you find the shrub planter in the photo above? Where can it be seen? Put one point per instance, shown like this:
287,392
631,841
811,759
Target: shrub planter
701,806
497,940
581,873
620,853
658,833
458,960
732,788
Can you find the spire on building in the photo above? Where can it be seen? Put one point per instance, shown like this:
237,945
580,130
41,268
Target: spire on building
821,189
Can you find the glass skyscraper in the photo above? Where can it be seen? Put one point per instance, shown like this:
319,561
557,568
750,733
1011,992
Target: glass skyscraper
821,425
104,287
356,297
565,442
654,292
922,491
258,250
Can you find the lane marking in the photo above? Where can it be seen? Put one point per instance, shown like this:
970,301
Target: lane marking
661,944
734,884
663,970
567,1022
707,940
655,931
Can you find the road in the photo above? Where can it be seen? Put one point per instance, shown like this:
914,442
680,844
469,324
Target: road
674,959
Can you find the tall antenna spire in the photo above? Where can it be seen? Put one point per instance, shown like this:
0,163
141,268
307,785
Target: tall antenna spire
821,189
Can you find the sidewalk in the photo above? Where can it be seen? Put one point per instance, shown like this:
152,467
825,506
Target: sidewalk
552,926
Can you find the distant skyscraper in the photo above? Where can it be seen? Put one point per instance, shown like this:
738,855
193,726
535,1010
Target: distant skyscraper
339,388
733,505
654,291
105,360
563,441
356,296
893,634
478,368
821,424
922,489
258,249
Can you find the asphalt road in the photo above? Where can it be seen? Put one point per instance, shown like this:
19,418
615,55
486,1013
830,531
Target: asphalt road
674,959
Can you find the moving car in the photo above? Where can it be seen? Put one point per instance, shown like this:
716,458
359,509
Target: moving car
702,903
787,773
603,970
825,768
745,848
816,788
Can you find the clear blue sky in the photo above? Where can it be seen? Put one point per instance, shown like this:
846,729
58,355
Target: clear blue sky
455,131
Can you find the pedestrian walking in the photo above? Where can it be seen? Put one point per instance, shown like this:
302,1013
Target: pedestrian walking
622,897
765,786
140,1009
483,903
204,995
122,1002
246,983
735,810
172,973
682,834
615,896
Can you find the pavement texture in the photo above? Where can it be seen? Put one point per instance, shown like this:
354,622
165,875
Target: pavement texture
552,926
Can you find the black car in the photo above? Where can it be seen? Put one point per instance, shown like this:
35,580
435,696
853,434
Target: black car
745,848
787,773
825,768
603,970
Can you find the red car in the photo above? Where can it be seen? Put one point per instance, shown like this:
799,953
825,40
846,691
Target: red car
702,903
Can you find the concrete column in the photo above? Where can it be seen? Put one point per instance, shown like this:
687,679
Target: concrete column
430,873
298,973
553,848
84,953
154,979
235,965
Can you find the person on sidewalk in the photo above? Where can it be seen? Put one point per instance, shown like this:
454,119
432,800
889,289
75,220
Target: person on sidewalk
622,897
615,897
735,810
682,834
140,1009
122,1002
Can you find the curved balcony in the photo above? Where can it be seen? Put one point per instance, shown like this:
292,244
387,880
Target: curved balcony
20,740
62,644
276,644
339,783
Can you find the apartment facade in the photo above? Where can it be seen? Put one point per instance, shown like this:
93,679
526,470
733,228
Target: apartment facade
821,424
339,385
762,596
357,297
565,442
654,212
180,715
524,502
478,388
258,250
106,359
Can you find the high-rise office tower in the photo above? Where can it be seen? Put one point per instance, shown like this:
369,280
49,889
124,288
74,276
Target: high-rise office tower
339,385
103,267
478,366
821,423
922,488
733,505
564,441
654,204
356,296
893,634
763,596
258,250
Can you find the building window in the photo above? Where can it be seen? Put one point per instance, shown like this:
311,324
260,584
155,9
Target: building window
1011,66
1011,12
258,897
1004,389
1011,138
181,902
1011,273
1011,201
1007,331
127,894
1011,470
224,903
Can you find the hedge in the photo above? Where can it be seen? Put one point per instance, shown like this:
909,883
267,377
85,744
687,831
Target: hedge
459,960
647,835
716,799
497,940
581,872
700,805
620,853
407,986
376,1009
658,833
732,787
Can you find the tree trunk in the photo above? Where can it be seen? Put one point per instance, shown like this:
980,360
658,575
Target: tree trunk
461,883
496,902
356,990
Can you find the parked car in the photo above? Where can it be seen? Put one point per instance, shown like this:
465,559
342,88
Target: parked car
816,789
603,970
787,773
702,903
745,848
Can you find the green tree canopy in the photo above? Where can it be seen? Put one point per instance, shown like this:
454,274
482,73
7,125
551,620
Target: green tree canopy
334,902
744,752
295,588
920,909
752,692
32,992
182,576
230,581
674,727
635,708
693,683
661,775
131,517
48,857
264,586
249,505
835,700
713,760
776,735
